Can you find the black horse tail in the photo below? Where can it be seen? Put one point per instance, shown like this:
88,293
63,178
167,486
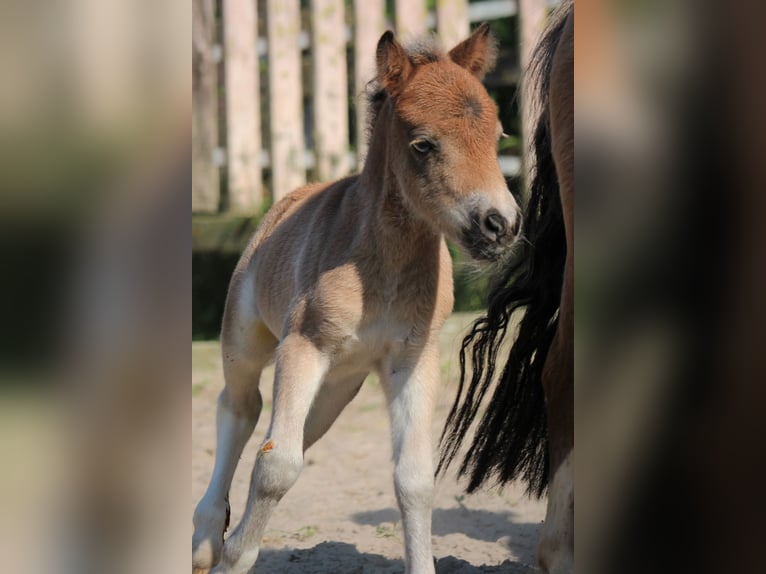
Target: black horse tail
511,440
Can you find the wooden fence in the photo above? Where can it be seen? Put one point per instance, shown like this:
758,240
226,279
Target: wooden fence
272,86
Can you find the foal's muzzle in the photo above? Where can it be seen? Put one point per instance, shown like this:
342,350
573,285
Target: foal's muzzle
491,234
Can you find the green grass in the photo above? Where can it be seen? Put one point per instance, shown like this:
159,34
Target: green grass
197,388
305,532
385,531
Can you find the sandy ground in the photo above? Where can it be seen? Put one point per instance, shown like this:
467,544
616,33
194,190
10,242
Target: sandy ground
341,516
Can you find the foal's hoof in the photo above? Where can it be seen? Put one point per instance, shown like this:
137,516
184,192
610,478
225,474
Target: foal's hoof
207,543
206,553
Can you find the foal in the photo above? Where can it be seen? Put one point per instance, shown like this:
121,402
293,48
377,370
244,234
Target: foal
351,277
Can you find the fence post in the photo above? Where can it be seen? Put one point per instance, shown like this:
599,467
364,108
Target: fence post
205,178
243,121
532,16
411,19
452,21
285,97
330,90
532,21
369,20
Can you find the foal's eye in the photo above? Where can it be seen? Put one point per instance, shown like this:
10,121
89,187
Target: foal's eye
423,145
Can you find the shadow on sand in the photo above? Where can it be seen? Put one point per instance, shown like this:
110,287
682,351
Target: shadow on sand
477,524
343,558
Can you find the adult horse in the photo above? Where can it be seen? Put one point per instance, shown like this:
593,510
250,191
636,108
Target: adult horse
527,429
345,278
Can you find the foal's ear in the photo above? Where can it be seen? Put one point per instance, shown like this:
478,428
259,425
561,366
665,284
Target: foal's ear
394,66
478,53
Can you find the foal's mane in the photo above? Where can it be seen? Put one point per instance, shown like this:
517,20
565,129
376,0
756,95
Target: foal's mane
425,50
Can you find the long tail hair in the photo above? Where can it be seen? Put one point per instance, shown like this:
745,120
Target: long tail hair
511,440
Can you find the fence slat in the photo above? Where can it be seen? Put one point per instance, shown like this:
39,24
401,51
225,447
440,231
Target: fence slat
330,88
452,21
411,19
285,97
369,20
205,178
532,21
532,17
242,110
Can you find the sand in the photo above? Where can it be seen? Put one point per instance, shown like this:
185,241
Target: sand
341,517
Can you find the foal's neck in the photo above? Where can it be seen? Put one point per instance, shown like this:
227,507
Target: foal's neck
391,221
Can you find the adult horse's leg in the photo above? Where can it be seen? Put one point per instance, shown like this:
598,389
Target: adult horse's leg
245,353
300,368
556,549
410,391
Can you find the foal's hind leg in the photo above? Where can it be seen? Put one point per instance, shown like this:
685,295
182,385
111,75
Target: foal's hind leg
245,353
300,368
329,403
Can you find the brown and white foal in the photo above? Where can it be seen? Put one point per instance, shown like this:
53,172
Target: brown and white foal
346,278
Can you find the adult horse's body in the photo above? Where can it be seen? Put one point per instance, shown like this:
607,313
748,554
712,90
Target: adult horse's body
355,276
527,430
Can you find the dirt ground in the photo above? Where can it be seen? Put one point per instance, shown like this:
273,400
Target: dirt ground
341,516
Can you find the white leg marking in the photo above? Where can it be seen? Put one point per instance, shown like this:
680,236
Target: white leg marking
555,552
210,516
411,403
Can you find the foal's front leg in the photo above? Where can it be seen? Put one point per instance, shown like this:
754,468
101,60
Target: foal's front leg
300,369
410,388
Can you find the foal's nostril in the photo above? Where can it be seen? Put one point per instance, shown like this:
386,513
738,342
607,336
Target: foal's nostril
495,223
515,228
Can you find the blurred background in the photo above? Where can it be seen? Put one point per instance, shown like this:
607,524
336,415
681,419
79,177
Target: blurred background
95,298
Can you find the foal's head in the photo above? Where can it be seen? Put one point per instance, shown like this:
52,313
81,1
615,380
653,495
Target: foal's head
442,141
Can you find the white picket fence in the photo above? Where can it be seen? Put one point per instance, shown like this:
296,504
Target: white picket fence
247,59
